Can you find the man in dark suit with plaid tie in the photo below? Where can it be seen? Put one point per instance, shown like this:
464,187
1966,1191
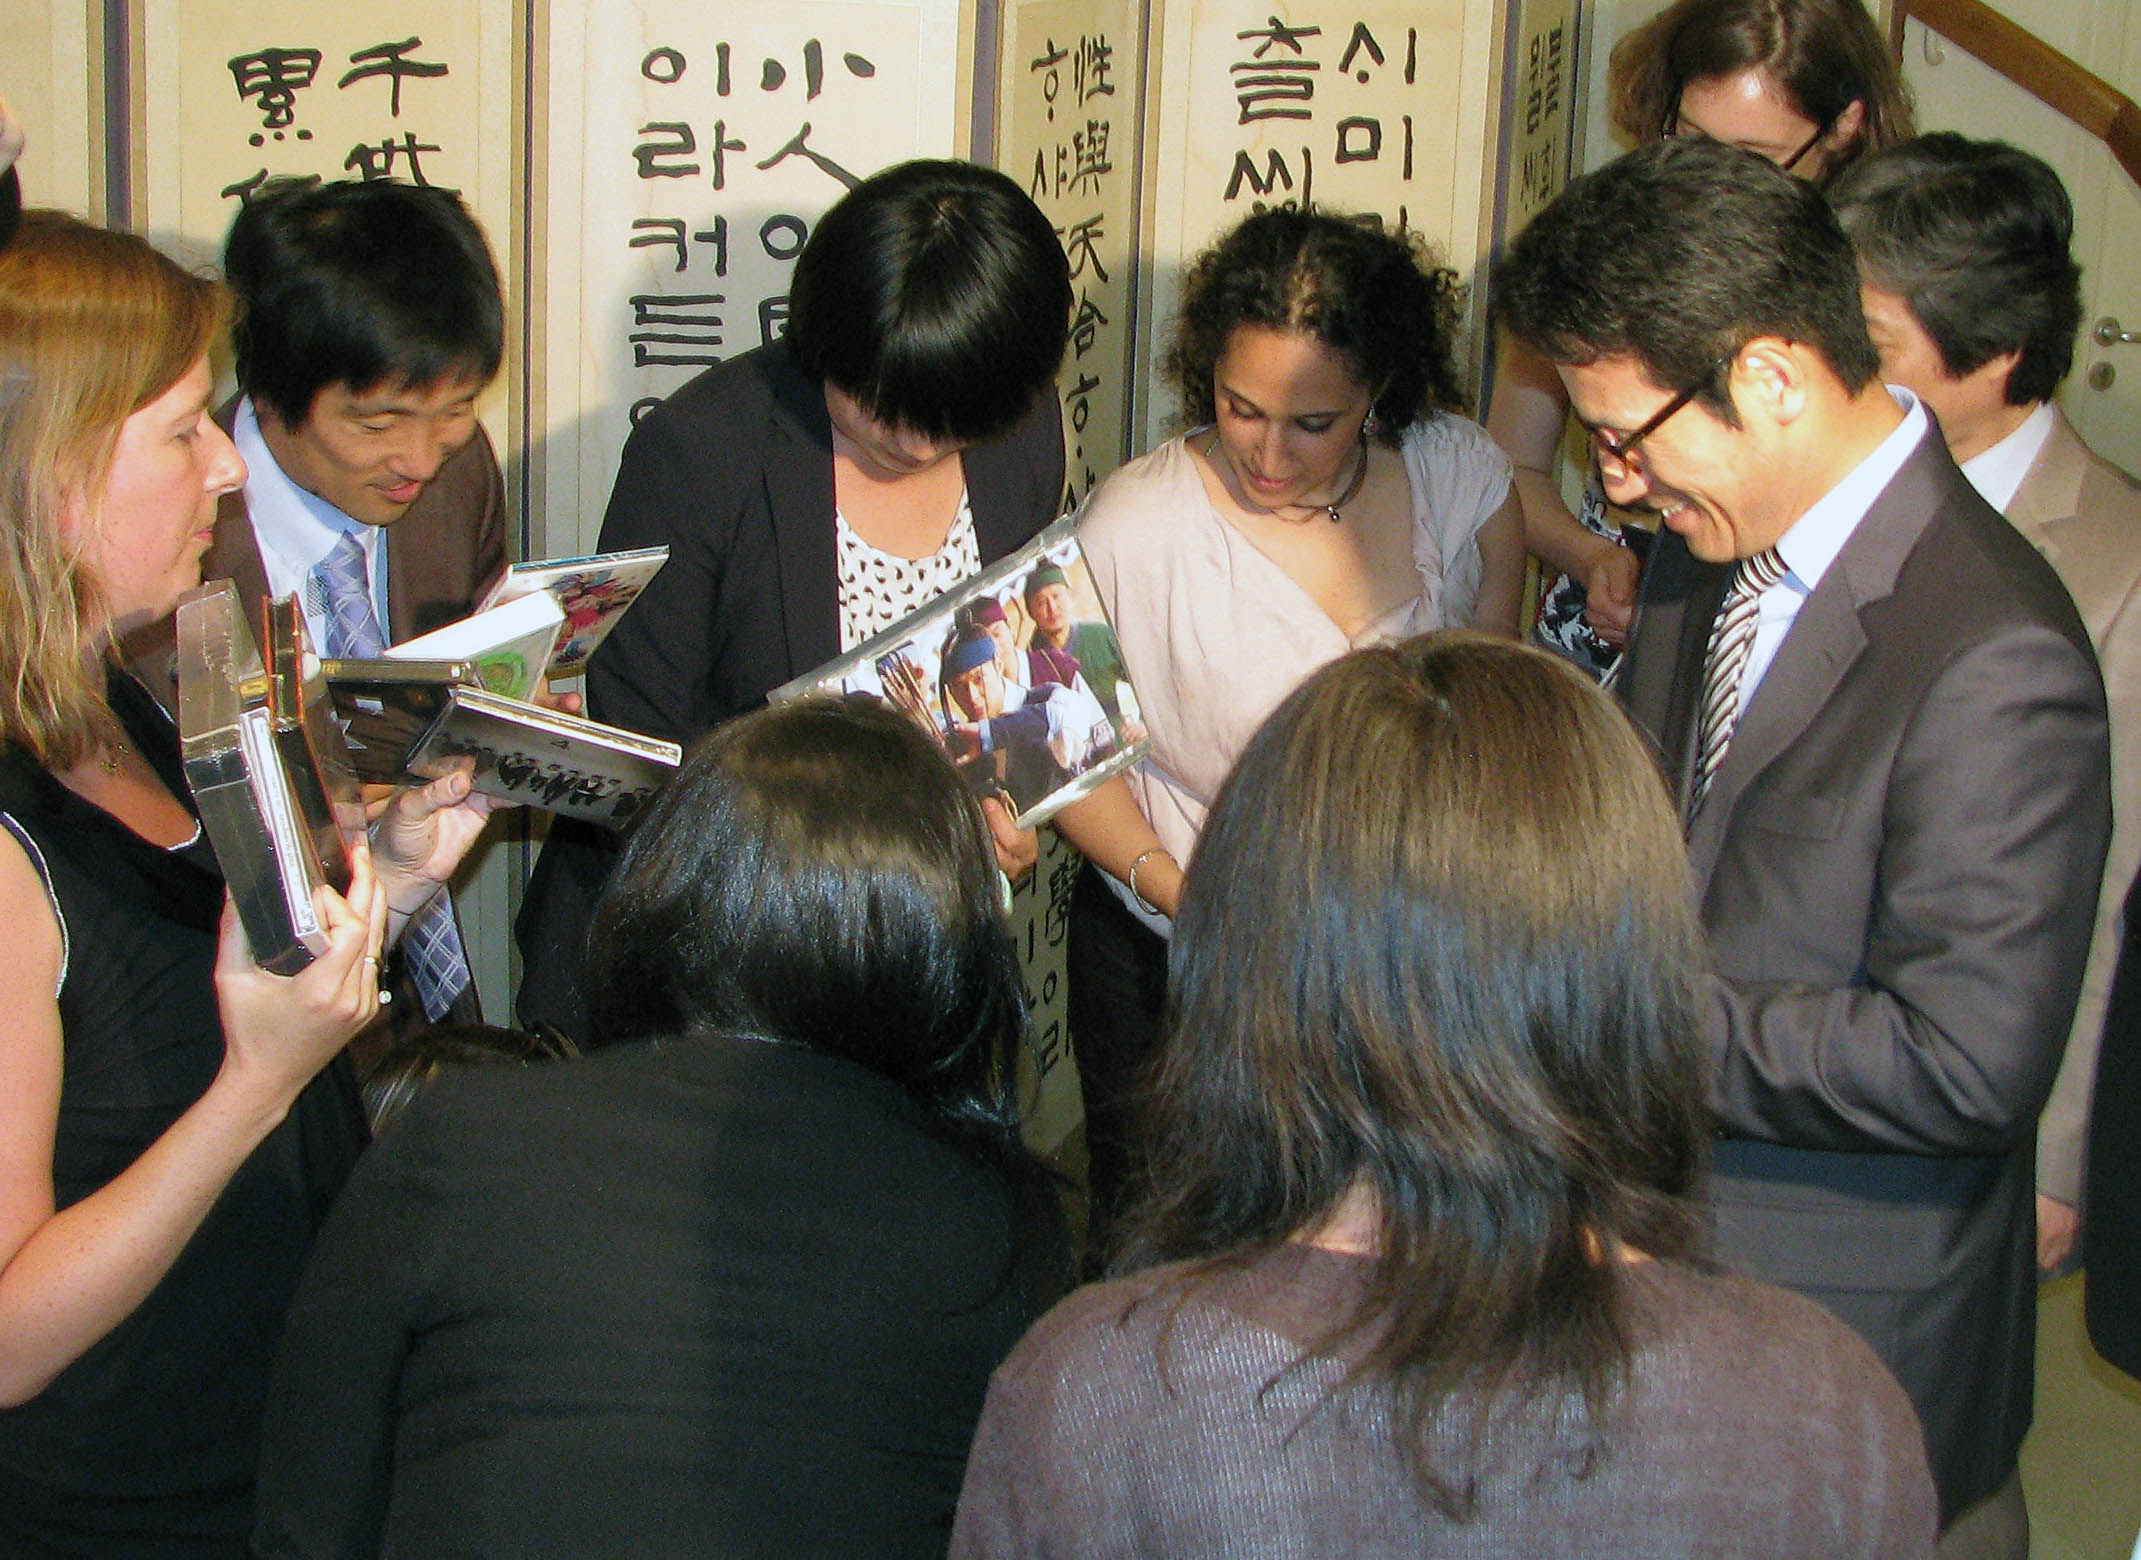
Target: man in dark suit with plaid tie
1882,717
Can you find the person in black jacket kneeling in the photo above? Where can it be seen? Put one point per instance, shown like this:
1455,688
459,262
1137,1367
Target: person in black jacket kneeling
735,1284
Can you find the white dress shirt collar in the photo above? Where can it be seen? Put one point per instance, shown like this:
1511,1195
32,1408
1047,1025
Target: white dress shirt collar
1816,537
295,529
1997,472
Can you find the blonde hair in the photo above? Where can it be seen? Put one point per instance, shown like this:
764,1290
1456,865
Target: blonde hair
94,325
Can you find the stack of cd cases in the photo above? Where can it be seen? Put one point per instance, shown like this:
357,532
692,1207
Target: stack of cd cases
269,769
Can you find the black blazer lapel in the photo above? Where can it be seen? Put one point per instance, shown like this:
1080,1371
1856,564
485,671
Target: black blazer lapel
798,476
1008,477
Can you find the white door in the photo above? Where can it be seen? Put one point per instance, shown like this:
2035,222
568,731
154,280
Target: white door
1956,92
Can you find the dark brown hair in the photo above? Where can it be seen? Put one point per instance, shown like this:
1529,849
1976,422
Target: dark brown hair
1822,55
1677,255
1977,237
1374,298
1472,1000
818,875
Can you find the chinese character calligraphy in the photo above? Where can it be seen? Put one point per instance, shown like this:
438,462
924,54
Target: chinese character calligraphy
1070,146
271,78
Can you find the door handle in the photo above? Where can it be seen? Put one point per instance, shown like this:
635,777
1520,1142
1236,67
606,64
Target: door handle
2108,334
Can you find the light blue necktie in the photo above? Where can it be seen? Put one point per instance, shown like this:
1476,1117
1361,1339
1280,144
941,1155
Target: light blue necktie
431,942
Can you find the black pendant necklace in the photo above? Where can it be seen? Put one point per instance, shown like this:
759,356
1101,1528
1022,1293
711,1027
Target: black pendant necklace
1332,510
1360,477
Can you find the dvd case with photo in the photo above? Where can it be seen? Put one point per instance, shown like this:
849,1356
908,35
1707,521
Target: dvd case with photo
544,758
1016,674
418,719
592,592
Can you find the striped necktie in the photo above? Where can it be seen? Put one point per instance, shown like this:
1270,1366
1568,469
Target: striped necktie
1731,644
345,587
431,942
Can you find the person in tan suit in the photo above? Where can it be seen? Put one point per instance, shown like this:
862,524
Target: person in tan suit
1973,300
1883,720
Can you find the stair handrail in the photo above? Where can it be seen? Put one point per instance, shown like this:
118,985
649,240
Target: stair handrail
2035,66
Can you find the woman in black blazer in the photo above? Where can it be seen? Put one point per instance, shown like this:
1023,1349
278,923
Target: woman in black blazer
910,404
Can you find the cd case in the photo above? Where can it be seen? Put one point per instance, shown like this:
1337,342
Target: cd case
1016,674
508,648
424,719
275,788
592,593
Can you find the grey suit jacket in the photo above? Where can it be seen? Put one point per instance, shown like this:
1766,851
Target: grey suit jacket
2084,515
1897,866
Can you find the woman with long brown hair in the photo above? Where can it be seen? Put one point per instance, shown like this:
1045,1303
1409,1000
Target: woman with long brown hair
1416,1268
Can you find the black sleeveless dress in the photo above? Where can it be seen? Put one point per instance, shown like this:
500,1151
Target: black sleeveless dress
146,1446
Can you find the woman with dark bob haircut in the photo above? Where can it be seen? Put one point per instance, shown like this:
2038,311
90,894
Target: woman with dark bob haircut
936,298
735,1284
1328,495
1417,1261
902,435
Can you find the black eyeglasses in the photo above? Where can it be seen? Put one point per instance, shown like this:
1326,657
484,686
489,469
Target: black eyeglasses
1821,132
1621,448
1672,133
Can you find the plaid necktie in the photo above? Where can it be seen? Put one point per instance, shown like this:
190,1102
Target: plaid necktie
431,942
1731,644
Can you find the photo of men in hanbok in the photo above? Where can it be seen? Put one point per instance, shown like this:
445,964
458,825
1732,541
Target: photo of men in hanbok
1067,649
1011,741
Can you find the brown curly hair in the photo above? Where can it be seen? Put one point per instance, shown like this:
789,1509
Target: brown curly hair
1376,298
